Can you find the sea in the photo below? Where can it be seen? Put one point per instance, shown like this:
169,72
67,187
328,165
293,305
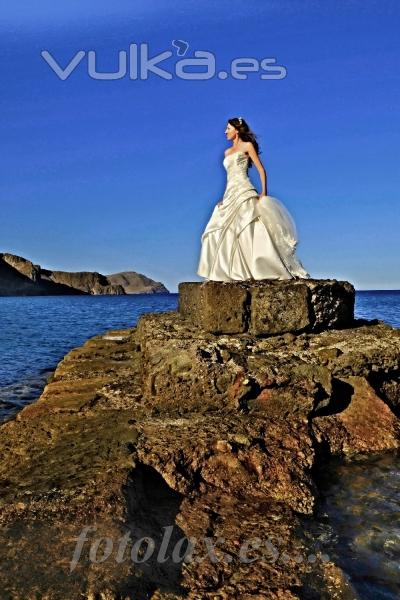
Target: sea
358,518
37,331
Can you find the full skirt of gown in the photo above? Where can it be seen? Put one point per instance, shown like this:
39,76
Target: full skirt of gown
246,237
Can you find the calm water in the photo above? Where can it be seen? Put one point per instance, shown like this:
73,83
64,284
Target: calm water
37,331
358,521
378,304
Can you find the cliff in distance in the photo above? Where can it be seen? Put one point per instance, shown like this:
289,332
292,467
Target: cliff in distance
20,277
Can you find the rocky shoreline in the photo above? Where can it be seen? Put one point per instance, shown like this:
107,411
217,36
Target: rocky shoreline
211,420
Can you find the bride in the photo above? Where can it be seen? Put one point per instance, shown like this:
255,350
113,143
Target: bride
249,235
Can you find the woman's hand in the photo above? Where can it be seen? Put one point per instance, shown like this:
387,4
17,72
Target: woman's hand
260,196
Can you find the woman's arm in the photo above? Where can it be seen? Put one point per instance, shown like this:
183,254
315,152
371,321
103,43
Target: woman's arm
251,151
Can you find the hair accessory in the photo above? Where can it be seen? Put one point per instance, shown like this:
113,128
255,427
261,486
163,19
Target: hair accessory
240,120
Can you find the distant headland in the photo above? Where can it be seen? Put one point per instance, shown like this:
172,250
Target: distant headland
20,277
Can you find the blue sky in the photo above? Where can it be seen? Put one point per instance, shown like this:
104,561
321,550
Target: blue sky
123,174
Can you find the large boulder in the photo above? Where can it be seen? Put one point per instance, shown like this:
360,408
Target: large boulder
267,307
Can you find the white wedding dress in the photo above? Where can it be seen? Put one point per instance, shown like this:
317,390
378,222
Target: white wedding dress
247,238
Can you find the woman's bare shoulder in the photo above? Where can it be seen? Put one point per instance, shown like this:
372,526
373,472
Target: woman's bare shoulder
249,146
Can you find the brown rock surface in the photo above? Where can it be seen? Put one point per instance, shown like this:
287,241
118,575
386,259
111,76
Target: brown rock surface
215,436
267,307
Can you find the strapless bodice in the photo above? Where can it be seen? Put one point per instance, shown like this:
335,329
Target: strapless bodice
236,163
237,181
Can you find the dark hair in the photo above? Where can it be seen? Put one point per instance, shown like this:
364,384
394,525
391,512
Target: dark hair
245,133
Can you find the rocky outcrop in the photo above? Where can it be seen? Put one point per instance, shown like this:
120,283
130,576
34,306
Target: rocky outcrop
136,283
211,436
20,277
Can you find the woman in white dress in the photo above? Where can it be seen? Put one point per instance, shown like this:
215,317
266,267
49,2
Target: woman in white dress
249,235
